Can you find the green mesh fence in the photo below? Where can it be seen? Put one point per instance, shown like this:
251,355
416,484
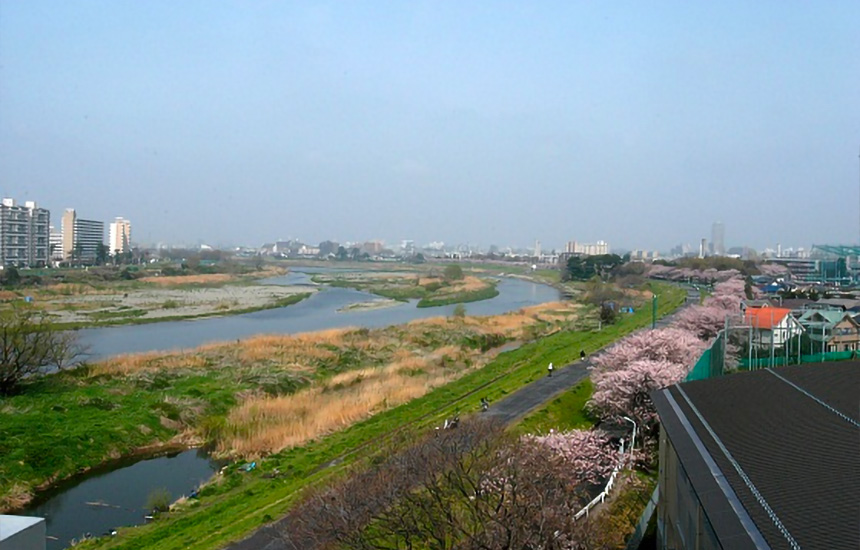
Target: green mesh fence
710,364
779,361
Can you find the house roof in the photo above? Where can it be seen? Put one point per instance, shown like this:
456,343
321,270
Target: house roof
766,317
785,441
844,303
827,316
796,303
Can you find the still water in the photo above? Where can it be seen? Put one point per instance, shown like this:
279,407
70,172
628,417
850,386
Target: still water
318,312
102,501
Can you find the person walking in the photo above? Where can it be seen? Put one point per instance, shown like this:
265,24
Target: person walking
549,368
582,355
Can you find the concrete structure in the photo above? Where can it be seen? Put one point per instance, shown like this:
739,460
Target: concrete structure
25,234
587,249
764,459
22,533
119,239
718,238
81,238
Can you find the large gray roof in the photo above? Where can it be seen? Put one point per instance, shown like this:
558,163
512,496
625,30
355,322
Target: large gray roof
794,434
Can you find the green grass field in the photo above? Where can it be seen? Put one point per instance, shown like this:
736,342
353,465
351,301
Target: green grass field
237,502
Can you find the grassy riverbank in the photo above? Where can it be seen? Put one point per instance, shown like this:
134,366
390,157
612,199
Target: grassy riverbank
429,287
100,298
236,503
249,398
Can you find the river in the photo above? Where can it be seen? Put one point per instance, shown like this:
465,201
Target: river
319,312
117,496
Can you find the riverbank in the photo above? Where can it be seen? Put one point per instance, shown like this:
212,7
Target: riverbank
156,298
429,287
244,398
242,501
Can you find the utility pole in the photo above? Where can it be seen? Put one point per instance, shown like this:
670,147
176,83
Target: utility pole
653,312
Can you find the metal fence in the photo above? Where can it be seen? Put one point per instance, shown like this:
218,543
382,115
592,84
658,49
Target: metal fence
717,360
712,362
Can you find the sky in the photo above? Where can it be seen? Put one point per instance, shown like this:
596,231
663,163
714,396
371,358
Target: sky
637,123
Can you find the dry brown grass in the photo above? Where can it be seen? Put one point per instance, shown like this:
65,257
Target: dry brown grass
212,278
6,295
300,352
263,425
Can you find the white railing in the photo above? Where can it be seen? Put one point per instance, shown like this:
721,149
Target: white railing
599,499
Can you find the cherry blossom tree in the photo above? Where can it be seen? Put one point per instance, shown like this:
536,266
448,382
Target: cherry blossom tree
588,454
625,392
671,344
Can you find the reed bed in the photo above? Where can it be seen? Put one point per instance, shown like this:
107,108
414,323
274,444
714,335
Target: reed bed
263,425
210,278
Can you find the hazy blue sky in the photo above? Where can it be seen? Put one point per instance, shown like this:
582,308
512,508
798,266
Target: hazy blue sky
639,123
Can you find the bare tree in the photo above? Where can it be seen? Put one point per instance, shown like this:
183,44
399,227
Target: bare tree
472,488
29,344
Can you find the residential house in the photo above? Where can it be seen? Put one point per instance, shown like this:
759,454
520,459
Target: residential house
836,329
772,325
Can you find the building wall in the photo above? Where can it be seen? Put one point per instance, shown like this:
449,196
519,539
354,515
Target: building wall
24,234
120,236
587,249
88,235
681,522
68,230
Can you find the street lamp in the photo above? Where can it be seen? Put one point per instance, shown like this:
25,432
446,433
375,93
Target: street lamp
633,440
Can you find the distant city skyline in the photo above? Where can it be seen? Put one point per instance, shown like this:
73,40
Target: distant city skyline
638,124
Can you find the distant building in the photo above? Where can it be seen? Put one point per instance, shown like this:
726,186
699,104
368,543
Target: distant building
56,244
25,234
119,236
763,459
718,238
587,249
81,238
703,248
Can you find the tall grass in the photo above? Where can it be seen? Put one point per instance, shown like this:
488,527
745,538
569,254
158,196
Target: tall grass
264,425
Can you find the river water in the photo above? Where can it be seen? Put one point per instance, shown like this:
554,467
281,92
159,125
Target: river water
101,501
117,496
318,312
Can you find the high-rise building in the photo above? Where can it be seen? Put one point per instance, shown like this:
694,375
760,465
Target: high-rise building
718,238
119,238
56,244
24,234
537,249
81,238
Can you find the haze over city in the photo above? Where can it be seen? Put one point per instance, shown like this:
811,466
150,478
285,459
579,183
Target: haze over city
482,123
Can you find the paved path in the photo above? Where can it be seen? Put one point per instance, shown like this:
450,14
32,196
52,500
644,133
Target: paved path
529,397
514,406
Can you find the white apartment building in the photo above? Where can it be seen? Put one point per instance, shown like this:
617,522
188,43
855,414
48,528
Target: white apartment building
587,249
24,234
119,238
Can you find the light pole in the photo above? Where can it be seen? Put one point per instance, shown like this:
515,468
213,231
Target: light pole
633,439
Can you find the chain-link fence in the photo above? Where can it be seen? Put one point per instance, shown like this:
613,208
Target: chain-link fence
743,346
